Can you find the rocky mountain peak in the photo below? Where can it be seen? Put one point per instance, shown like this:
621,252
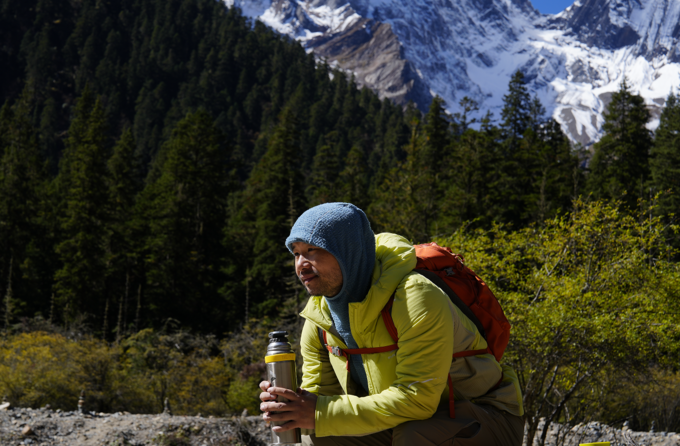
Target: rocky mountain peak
573,61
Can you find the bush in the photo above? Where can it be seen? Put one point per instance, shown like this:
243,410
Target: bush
590,296
37,369
136,375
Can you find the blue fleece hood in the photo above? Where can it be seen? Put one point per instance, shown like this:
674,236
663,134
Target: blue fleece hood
343,230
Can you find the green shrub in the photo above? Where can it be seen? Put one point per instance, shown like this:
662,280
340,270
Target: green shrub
591,297
136,375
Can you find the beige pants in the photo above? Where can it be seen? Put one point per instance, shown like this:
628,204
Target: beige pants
474,425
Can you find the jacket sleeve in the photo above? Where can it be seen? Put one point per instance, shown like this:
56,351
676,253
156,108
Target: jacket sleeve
425,326
318,376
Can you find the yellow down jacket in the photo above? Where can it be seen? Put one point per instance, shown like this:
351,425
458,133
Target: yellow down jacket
405,384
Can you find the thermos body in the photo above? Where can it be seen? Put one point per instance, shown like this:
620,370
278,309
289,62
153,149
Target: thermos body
281,372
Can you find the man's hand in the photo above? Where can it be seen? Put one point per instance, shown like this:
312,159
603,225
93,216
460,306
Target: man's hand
297,412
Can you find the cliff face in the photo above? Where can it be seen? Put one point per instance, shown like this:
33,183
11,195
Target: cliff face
650,28
592,24
573,61
345,38
372,52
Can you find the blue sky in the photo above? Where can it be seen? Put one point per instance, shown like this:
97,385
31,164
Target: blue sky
551,6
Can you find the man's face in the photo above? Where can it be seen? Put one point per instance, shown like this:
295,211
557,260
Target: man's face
318,270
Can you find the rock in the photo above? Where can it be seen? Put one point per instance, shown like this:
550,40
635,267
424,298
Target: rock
4,406
27,431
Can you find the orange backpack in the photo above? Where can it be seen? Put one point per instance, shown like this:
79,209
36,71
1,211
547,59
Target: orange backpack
466,290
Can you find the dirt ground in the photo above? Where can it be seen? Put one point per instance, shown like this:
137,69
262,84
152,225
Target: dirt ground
36,427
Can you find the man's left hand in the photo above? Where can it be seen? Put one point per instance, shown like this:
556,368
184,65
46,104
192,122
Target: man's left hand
297,412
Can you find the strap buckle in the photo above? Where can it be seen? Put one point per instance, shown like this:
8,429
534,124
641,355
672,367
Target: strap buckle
336,350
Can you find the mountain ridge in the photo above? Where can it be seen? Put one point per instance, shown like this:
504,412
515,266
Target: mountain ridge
573,61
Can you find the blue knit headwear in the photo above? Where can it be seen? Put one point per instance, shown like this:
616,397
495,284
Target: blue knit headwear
343,230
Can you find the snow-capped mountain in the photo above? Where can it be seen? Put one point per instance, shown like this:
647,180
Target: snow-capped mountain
573,61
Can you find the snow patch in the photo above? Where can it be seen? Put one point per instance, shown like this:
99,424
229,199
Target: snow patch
250,8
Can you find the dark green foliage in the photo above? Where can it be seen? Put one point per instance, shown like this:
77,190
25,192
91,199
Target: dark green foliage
323,177
471,190
665,157
168,146
84,213
124,238
407,200
620,164
122,259
410,198
461,120
535,171
551,171
511,176
353,180
184,211
273,200
437,135
22,188
517,111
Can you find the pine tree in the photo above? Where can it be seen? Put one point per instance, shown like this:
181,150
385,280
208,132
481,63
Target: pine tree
405,202
470,191
411,195
83,194
437,136
273,201
122,274
549,168
22,184
665,157
461,120
322,180
513,179
536,115
620,163
185,209
353,180
516,113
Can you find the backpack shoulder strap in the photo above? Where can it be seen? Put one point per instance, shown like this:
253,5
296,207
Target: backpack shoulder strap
457,301
387,318
319,332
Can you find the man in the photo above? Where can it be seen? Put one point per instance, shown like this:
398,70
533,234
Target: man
395,397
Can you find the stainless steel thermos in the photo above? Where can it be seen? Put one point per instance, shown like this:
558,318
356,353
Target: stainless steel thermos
281,372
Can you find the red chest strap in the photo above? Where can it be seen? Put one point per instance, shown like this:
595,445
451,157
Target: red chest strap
346,352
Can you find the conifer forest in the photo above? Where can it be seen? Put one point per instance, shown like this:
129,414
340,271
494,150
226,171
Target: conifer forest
154,155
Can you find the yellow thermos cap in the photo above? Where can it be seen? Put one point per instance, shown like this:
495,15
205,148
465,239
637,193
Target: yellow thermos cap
280,357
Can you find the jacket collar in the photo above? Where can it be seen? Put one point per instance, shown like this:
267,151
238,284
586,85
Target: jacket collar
395,257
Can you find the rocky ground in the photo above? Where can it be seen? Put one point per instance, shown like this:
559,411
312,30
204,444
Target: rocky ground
44,427
36,427
560,435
